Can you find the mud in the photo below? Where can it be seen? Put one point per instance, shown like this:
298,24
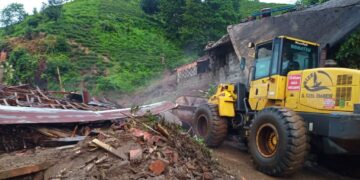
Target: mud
238,163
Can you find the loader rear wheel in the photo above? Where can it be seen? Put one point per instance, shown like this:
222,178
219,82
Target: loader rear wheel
278,141
209,125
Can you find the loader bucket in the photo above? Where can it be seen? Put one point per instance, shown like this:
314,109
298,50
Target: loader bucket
186,106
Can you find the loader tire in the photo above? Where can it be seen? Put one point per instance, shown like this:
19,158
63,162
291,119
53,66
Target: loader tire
209,125
278,141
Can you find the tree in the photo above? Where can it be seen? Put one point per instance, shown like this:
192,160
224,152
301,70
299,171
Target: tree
53,9
171,12
12,14
35,11
150,6
195,22
310,2
349,52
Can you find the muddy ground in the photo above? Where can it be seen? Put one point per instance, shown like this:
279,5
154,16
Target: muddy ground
238,163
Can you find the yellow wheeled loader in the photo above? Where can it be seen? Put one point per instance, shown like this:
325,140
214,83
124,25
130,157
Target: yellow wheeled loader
287,104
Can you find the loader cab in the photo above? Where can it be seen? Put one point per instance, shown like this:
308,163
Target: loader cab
274,59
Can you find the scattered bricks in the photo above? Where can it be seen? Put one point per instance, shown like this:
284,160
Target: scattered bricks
141,134
157,167
135,154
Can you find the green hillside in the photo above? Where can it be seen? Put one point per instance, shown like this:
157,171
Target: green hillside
98,44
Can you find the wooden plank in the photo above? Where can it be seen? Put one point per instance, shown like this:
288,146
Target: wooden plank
110,149
16,98
6,103
28,100
41,93
72,105
5,174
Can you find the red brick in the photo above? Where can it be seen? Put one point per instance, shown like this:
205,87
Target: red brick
157,167
136,154
140,133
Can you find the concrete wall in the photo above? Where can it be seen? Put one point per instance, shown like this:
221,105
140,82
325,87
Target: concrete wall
230,72
224,68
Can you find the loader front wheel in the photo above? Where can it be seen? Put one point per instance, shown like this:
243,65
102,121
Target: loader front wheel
209,125
278,141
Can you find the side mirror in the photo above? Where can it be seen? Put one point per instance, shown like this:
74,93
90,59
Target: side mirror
242,63
251,45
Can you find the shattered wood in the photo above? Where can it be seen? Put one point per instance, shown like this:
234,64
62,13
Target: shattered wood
25,96
143,154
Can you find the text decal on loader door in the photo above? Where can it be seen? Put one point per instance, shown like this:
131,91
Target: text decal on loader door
294,82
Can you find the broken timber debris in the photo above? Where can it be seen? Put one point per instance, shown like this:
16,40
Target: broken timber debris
141,148
26,96
109,149
143,154
5,174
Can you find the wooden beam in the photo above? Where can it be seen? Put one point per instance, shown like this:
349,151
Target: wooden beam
110,149
33,168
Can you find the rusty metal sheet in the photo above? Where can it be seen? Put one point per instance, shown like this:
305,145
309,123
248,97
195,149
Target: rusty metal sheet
30,115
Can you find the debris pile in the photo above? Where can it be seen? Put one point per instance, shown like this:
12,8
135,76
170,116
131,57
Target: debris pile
136,149
26,137
26,96
45,136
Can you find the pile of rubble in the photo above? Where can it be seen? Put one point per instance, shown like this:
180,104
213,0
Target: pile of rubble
63,135
134,149
20,137
26,96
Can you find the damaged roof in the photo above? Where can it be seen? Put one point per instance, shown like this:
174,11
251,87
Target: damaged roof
327,24
223,40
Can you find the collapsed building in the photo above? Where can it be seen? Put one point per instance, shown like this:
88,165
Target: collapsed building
328,24
228,60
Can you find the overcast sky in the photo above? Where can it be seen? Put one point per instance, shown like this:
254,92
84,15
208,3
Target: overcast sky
30,4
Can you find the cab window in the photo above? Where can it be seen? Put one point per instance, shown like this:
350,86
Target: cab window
298,56
263,60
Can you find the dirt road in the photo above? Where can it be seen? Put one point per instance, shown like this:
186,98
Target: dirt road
238,163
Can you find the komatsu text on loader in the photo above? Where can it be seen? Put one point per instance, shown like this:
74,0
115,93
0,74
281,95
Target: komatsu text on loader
288,104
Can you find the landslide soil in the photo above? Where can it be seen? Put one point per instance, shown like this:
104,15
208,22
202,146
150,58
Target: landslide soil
238,162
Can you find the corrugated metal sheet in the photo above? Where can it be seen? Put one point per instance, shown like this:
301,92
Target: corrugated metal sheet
29,115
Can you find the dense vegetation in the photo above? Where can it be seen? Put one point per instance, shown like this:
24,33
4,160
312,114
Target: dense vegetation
113,44
349,52
103,45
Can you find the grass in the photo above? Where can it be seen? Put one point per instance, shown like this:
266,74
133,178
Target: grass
109,45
